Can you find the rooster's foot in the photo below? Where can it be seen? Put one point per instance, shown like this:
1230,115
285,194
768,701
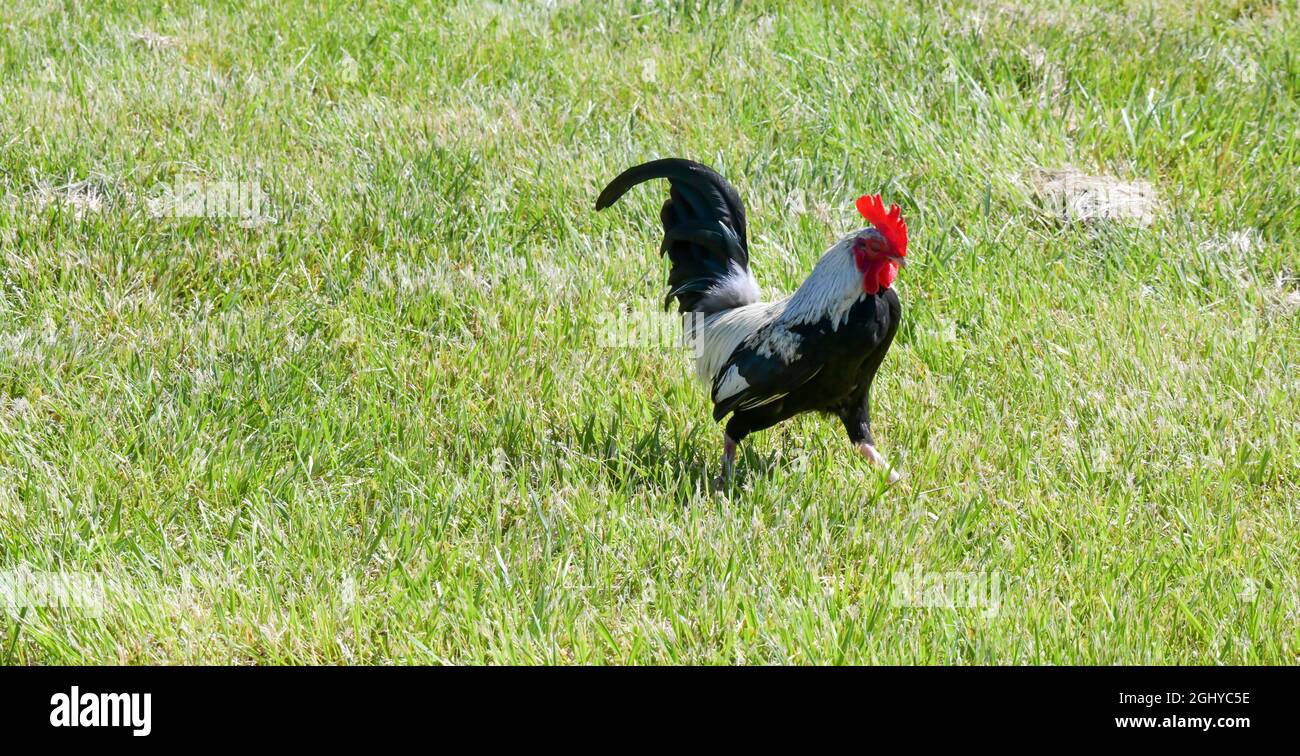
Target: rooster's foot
877,459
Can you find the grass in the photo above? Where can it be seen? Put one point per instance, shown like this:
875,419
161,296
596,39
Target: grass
377,425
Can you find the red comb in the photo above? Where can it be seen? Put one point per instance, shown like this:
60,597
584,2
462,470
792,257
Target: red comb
890,224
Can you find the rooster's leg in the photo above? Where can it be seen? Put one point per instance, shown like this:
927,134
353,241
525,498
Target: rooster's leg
858,423
728,457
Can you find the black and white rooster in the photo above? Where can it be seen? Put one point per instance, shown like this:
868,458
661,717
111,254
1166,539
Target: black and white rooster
816,350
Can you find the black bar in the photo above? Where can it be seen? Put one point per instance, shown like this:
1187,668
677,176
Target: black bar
219,705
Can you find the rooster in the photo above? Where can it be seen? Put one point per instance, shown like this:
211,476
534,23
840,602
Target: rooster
817,350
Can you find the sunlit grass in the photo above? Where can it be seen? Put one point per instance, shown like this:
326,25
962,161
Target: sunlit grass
379,426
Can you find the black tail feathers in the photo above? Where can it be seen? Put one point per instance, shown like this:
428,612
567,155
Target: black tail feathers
704,234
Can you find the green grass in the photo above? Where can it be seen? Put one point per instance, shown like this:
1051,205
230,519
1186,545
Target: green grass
381,427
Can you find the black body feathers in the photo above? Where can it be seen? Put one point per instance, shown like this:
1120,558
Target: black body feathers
832,373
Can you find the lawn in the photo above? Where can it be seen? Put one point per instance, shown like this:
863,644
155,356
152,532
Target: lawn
367,413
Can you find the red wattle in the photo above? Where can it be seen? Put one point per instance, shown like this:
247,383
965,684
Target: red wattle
880,275
888,272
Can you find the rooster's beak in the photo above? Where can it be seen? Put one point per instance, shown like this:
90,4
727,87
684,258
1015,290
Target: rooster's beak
899,261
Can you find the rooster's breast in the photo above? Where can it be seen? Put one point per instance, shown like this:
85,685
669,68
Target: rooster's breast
848,352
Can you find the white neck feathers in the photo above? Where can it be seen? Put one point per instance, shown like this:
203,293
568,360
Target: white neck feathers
832,288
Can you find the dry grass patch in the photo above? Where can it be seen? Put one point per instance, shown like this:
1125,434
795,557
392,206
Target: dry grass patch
1077,197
